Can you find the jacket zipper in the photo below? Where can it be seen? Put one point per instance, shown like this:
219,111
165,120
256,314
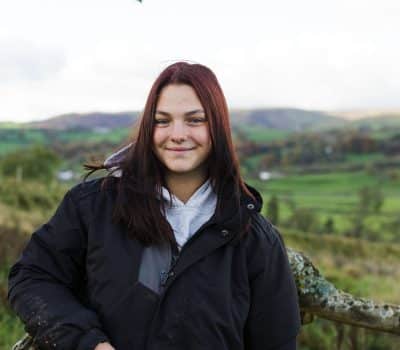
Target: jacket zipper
165,275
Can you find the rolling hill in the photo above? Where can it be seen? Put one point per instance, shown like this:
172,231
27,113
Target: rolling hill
86,121
289,119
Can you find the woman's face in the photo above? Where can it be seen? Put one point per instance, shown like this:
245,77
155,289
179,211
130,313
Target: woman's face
181,138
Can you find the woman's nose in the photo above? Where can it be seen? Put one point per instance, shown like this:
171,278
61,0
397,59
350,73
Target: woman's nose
178,132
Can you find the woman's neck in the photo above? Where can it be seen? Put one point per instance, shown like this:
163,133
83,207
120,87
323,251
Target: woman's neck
183,186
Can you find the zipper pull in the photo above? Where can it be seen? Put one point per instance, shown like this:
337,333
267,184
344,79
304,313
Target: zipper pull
174,259
163,277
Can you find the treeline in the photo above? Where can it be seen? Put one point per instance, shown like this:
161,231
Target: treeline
298,149
302,149
41,162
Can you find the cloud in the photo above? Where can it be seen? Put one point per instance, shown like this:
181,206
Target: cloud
24,61
103,55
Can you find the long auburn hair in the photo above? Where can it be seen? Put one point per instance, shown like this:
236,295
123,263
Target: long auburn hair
139,188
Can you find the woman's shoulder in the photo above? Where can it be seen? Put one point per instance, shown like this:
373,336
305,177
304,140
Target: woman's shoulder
265,247
92,188
262,230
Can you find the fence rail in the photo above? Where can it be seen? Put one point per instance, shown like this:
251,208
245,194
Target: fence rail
319,297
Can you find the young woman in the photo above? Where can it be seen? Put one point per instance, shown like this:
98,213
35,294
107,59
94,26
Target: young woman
167,252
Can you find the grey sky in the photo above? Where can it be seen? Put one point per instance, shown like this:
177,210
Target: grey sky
78,56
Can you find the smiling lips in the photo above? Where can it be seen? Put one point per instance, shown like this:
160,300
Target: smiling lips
179,149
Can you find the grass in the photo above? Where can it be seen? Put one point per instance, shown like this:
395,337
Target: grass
114,136
364,158
8,147
334,183
365,269
261,134
11,329
335,195
14,139
32,205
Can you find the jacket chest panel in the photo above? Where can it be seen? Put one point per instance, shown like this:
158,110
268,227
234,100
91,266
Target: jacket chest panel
112,263
206,300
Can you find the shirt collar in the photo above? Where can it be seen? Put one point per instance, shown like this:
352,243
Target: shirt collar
202,195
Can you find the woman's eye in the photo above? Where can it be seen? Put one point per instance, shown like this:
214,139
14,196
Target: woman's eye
197,120
161,121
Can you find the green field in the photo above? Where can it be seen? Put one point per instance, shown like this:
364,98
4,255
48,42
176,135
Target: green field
335,195
114,136
261,134
363,158
14,139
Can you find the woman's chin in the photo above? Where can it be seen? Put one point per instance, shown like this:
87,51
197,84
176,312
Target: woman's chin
182,171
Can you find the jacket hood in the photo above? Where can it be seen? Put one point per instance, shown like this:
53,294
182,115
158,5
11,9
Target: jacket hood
113,161
257,196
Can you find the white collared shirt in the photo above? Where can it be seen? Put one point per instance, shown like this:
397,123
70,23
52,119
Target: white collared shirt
186,218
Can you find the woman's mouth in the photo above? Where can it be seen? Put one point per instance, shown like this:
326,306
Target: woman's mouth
179,149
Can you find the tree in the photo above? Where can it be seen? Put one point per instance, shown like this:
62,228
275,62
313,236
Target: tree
329,226
39,163
273,210
370,199
304,219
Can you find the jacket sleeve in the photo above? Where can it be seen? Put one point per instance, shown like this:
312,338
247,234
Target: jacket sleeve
46,282
274,317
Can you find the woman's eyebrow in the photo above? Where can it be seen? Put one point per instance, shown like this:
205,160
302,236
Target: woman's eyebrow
195,111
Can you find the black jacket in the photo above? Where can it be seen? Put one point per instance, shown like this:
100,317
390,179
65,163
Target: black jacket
76,283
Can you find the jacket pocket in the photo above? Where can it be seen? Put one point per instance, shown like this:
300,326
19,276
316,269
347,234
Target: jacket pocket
128,321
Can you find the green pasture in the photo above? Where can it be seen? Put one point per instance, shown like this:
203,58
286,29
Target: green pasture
329,183
8,147
262,134
23,136
114,136
335,195
14,139
364,158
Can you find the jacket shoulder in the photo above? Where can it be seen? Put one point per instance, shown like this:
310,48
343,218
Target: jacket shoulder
93,187
263,229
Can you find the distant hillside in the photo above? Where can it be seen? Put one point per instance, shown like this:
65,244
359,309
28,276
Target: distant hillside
289,119
87,121
374,123
10,125
357,114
